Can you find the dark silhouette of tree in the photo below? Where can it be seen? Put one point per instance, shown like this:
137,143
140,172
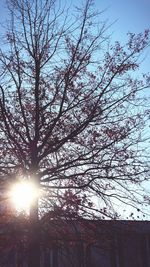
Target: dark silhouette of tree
72,112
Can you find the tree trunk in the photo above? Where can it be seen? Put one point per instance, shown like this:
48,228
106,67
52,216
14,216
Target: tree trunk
34,237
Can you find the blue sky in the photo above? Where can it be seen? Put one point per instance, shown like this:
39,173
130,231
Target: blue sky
128,15
132,15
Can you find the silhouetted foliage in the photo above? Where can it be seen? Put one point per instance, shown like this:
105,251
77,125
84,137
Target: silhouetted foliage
72,111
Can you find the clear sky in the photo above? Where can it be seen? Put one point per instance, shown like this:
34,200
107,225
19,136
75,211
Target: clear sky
132,15
128,15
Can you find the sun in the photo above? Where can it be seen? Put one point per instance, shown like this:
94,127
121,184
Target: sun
22,195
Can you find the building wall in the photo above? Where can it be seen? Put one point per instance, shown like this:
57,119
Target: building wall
125,245
114,244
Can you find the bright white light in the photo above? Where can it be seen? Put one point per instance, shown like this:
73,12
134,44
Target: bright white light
22,195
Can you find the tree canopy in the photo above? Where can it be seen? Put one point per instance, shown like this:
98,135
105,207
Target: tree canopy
72,111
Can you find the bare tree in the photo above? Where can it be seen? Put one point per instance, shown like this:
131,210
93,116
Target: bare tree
72,111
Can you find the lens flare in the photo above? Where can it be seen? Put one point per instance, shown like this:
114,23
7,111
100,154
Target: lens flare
23,195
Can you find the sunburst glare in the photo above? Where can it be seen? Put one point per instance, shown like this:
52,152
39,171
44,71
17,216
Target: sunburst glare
22,195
